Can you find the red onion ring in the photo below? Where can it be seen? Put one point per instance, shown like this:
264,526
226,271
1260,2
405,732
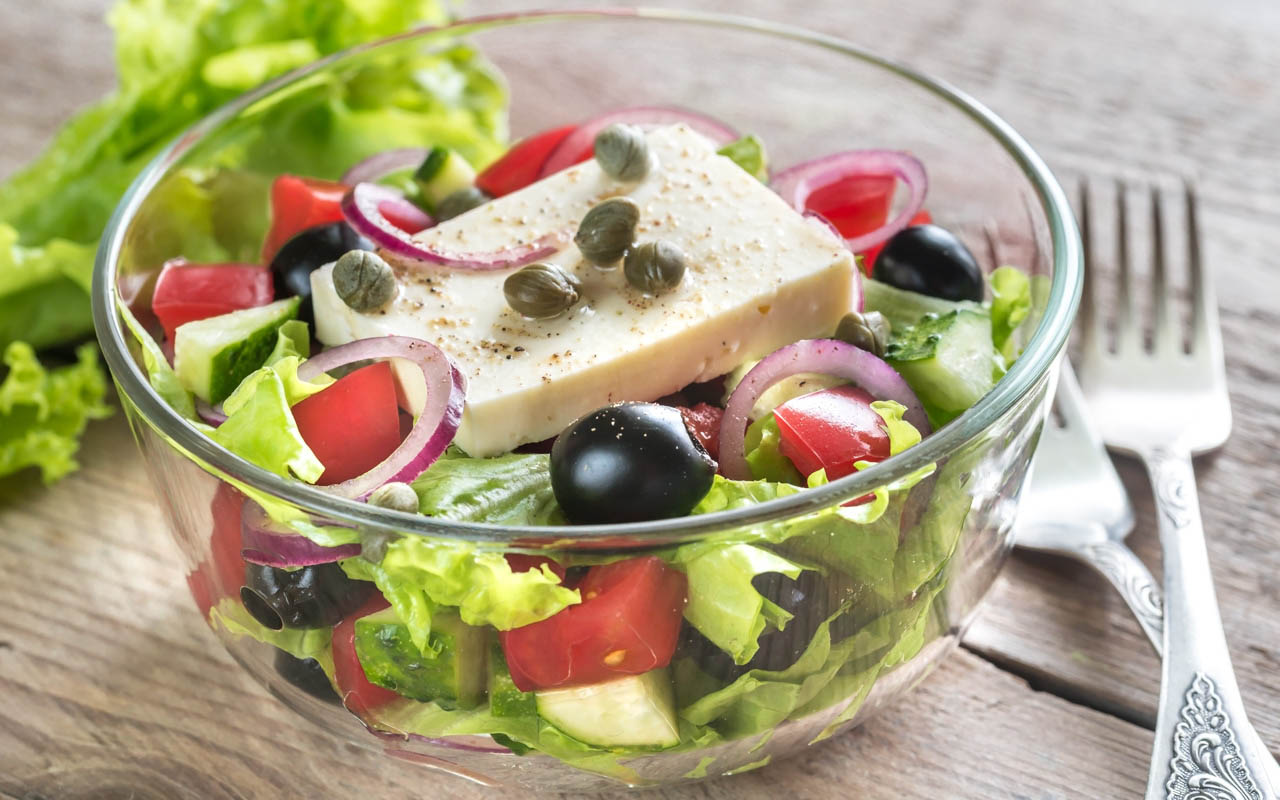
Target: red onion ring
380,165
825,356
859,297
431,432
361,207
274,544
214,415
569,151
795,184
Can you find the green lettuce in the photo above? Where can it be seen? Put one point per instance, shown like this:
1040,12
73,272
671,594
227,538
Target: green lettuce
42,411
1010,306
514,489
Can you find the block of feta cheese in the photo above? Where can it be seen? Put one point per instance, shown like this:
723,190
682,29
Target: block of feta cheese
759,276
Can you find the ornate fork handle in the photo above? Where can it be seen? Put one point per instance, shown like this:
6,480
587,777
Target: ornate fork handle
1205,748
1134,582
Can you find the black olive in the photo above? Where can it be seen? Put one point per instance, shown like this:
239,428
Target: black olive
811,598
310,597
306,252
307,675
629,462
927,259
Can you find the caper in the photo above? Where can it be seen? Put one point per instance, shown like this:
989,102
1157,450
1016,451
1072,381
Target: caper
460,202
608,230
623,152
363,280
541,291
654,267
374,543
870,331
396,496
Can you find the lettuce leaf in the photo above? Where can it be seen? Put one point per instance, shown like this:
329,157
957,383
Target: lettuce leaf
1010,306
514,489
42,412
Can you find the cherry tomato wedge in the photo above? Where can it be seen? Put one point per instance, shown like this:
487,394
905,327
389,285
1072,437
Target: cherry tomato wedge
522,163
703,421
855,205
831,429
519,562
627,623
352,425
186,292
869,256
357,693
299,203
221,574
406,216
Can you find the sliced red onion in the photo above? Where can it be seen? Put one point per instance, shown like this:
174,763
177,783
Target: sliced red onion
824,356
214,415
380,165
362,208
275,544
408,217
435,426
818,219
795,184
569,151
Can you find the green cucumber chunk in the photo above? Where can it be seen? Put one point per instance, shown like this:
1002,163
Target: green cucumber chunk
635,711
212,356
948,360
505,700
903,308
452,674
442,173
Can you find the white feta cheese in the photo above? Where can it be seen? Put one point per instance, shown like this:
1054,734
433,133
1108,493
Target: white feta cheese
759,276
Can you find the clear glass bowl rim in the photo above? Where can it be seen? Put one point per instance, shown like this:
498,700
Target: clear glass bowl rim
1039,355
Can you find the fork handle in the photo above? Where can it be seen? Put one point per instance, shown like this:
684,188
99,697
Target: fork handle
1204,745
1131,578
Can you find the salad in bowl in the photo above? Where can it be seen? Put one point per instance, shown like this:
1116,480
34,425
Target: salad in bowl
555,462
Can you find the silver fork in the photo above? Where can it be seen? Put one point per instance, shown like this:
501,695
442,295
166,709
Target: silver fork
1163,404
1070,464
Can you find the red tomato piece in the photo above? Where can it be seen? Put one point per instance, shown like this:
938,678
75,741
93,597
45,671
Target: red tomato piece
297,204
522,163
406,216
519,562
869,255
353,424
703,421
627,624
855,205
831,429
186,292
357,693
222,573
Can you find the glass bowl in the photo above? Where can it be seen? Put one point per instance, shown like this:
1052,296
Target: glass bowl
805,95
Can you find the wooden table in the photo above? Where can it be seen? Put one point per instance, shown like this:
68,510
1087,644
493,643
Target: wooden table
112,686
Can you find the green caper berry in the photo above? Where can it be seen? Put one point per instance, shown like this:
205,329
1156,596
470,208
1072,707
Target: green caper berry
869,331
396,496
541,291
374,542
608,230
654,267
623,152
460,202
363,280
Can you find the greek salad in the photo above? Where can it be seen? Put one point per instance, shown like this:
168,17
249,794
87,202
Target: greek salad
630,318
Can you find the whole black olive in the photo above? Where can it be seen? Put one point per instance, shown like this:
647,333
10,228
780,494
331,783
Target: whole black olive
629,462
307,675
306,252
311,597
927,259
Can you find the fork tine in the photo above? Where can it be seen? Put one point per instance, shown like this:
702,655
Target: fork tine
1206,334
1166,334
1092,332
1128,331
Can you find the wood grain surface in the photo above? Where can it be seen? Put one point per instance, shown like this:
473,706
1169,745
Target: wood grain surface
112,687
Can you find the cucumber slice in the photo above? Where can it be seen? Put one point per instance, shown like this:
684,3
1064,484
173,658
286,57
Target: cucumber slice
636,711
948,361
505,700
903,308
452,675
442,173
212,356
